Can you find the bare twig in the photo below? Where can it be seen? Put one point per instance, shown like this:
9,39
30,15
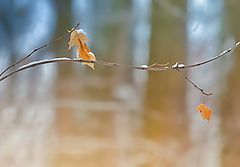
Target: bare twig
36,49
214,58
193,84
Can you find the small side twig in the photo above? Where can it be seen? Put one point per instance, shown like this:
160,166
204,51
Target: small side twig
193,84
178,67
37,49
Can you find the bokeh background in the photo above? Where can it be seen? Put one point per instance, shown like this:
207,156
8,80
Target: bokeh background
66,115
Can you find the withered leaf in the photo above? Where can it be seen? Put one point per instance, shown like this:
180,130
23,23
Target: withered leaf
78,38
205,111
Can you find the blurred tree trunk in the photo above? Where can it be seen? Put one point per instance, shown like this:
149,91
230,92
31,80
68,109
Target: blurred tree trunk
7,54
165,119
141,34
64,23
230,102
26,124
207,36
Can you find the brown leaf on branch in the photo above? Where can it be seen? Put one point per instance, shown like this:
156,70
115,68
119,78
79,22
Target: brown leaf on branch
79,39
206,112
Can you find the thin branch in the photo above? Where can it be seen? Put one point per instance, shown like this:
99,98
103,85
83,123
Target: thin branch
37,49
163,67
193,84
214,58
65,59
200,89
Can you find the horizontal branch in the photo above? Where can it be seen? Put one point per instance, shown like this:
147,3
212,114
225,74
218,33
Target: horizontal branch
153,67
65,59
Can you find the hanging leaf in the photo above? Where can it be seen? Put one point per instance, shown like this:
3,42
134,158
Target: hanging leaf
79,39
205,111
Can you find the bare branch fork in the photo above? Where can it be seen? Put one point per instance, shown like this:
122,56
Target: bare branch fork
154,67
37,49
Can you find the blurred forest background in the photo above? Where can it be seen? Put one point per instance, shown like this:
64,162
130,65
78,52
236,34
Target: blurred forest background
66,115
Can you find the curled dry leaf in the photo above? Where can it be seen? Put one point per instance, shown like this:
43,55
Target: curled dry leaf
206,112
79,39
156,65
